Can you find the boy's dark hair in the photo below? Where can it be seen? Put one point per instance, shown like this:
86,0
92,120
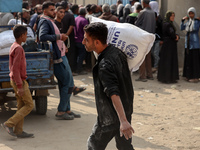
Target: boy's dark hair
97,31
88,7
47,4
59,8
139,7
74,8
64,4
18,30
93,8
58,4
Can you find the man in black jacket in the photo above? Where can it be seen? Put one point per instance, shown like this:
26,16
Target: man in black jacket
113,91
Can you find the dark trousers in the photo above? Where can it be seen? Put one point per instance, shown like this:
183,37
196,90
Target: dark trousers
99,139
146,69
72,54
64,76
81,56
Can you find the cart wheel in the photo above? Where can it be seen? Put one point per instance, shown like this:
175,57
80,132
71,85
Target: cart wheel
41,104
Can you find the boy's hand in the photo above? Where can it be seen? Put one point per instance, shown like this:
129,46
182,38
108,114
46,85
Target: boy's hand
64,37
20,92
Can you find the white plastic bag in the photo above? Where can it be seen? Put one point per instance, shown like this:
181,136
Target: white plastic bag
6,39
133,41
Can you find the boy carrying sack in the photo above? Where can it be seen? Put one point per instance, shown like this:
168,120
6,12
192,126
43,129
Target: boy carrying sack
17,66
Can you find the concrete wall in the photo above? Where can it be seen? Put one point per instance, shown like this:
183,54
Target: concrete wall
84,2
180,8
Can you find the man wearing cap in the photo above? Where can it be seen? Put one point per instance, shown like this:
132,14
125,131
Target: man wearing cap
25,14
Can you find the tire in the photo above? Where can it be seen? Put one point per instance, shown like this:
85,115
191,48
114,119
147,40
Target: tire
41,104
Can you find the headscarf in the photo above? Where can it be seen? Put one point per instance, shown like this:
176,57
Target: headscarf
126,10
190,25
128,6
134,7
154,6
167,18
120,8
113,9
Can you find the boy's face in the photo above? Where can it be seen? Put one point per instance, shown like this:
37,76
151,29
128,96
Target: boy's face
60,13
23,37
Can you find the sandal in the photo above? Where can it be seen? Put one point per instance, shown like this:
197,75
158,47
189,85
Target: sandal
65,116
150,78
193,80
77,90
140,79
75,115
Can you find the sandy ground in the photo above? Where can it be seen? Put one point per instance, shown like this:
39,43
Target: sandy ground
166,117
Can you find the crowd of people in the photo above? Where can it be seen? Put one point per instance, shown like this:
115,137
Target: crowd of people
73,39
136,13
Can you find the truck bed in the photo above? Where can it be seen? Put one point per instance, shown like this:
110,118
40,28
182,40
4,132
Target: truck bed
39,71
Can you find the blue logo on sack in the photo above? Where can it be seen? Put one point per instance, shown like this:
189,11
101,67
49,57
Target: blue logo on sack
131,51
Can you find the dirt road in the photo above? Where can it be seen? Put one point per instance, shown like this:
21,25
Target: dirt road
166,117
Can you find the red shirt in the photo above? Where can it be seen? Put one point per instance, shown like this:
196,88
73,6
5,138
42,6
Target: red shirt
17,64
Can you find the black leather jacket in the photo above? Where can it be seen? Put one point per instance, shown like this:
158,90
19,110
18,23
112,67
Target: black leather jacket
111,76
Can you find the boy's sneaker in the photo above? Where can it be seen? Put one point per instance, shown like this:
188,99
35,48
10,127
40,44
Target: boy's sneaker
8,129
25,135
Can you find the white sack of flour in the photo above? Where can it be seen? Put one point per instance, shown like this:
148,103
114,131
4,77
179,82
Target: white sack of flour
6,39
5,51
133,41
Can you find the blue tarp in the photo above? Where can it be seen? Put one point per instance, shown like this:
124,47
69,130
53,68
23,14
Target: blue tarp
10,5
